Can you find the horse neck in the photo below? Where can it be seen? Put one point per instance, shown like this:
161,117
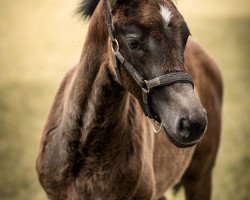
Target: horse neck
95,98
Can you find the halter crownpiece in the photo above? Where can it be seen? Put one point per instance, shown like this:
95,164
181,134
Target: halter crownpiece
146,85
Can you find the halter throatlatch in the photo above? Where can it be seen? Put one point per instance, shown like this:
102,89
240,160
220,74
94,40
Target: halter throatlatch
146,85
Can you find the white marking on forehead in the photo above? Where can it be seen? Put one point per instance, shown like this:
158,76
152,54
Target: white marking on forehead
166,14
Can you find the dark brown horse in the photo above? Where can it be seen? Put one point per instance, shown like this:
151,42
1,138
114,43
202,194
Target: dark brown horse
99,144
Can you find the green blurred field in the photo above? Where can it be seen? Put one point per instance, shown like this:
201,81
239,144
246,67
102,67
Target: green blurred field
41,40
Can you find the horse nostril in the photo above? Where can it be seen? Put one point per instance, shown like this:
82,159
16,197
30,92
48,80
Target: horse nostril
189,129
184,128
197,129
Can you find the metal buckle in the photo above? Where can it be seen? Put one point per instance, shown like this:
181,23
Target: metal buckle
144,85
115,45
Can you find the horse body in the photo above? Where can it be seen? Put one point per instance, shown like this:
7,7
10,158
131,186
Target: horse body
98,144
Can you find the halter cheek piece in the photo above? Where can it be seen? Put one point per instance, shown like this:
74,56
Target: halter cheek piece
146,85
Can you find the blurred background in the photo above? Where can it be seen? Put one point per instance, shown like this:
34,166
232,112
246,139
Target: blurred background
41,40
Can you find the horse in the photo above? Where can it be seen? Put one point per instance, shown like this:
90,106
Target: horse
139,114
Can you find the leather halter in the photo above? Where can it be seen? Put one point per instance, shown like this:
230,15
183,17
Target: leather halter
146,85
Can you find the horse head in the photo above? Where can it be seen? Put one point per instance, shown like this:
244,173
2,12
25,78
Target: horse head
151,37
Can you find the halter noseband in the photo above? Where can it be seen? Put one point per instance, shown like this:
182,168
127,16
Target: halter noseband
146,85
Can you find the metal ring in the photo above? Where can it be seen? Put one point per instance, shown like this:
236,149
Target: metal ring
144,85
157,131
115,45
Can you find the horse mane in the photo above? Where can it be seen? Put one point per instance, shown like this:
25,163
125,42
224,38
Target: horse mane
87,8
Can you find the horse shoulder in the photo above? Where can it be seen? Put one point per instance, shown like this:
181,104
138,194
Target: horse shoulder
51,129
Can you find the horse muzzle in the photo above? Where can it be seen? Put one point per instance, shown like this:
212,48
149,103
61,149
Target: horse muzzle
188,131
182,116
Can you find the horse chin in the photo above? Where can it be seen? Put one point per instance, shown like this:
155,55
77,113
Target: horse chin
176,140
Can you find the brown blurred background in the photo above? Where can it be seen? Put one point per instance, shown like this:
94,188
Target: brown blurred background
41,40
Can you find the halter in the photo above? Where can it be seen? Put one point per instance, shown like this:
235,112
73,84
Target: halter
146,85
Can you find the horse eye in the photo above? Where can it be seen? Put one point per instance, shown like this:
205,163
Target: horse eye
134,45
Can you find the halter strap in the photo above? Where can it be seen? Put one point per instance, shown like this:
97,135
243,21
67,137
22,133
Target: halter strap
146,85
